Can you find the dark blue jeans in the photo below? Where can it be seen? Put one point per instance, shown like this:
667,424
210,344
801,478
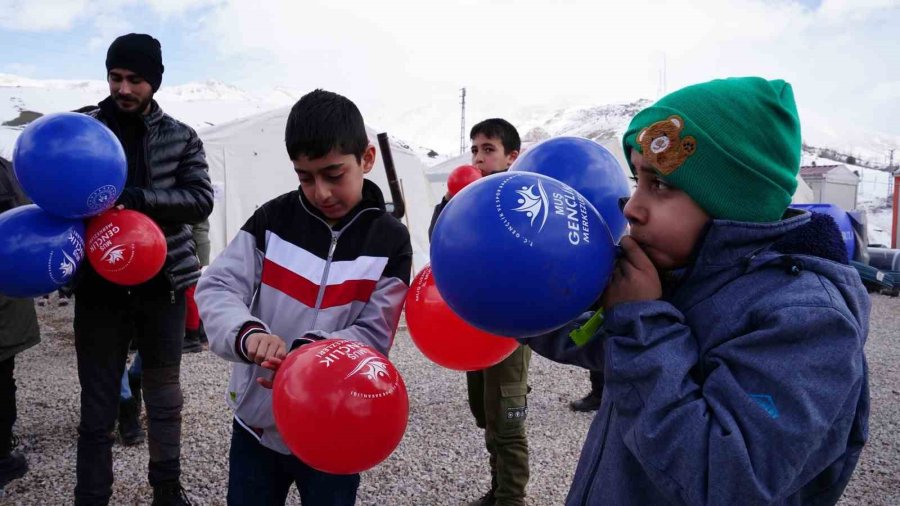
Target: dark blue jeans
260,476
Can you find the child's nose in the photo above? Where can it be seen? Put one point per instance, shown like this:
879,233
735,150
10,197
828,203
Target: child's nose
323,191
633,212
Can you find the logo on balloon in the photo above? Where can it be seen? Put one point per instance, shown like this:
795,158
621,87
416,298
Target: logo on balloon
379,381
61,269
533,204
114,255
374,369
563,204
102,197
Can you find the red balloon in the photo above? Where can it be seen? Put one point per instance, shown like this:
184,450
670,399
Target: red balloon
444,337
125,246
461,177
340,406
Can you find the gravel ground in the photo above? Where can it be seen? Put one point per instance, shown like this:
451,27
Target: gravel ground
441,461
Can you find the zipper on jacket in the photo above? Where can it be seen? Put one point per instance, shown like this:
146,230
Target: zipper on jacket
323,284
148,179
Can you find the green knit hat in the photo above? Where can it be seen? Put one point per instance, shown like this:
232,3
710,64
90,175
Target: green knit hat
733,145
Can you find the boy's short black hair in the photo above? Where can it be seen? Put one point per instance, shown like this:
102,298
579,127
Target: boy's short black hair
497,128
322,121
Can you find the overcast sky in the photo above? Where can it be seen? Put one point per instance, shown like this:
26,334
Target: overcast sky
841,55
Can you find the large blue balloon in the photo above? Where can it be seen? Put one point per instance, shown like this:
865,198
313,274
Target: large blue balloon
586,166
40,252
70,164
519,254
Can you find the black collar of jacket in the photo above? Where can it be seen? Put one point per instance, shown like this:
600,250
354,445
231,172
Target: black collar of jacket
372,198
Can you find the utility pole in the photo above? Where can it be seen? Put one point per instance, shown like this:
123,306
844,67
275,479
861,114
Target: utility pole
462,121
890,175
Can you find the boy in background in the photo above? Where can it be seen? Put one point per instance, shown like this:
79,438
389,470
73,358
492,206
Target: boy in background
498,394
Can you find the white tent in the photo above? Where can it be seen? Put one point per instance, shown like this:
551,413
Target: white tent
248,165
437,175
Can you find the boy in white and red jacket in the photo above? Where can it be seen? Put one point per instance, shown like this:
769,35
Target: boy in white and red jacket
324,261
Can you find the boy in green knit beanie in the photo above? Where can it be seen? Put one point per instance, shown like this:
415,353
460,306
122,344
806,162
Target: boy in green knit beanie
732,344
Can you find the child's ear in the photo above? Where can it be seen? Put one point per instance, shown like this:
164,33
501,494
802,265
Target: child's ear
368,159
512,155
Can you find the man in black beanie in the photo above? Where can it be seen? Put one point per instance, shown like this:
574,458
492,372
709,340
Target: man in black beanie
167,181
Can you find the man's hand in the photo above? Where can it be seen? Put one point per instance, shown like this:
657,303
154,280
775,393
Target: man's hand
262,347
127,199
634,278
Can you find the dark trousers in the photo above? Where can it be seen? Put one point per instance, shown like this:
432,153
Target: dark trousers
107,318
498,400
7,404
263,477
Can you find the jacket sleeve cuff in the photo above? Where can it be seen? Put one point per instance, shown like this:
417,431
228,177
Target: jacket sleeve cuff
306,339
240,344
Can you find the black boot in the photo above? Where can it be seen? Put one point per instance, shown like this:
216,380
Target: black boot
191,342
590,402
12,466
170,494
130,431
487,499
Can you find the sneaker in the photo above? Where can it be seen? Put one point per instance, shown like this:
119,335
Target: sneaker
12,466
170,494
191,342
588,403
130,431
487,499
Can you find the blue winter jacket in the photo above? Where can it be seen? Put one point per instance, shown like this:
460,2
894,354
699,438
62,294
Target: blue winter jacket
745,385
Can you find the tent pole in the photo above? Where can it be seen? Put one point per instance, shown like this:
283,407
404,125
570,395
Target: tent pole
396,193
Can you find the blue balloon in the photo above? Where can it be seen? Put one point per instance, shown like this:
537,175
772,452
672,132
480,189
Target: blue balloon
519,254
587,167
40,252
70,164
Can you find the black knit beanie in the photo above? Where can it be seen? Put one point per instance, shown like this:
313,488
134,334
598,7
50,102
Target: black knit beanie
139,53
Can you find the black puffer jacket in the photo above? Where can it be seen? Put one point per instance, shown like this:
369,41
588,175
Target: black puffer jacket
176,191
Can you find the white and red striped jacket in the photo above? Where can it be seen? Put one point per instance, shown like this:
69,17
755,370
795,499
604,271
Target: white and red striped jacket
288,273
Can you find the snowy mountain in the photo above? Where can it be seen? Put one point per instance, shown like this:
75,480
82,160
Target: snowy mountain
432,131
200,105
